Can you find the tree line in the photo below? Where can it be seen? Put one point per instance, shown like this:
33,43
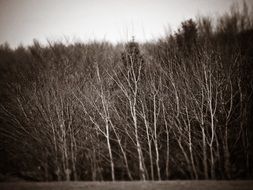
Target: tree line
176,108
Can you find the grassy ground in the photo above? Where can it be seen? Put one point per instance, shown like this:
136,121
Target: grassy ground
164,185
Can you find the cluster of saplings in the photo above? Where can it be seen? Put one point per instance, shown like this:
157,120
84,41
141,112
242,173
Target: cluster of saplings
176,108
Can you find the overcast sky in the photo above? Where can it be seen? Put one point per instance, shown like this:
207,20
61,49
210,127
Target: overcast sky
114,20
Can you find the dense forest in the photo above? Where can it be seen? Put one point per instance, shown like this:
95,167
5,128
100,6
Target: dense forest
179,107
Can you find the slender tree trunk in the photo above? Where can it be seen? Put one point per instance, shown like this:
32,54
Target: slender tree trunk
122,151
204,149
191,155
110,150
212,167
167,164
155,138
226,153
139,151
190,145
138,145
149,141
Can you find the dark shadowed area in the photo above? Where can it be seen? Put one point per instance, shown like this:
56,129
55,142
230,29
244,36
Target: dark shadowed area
165,185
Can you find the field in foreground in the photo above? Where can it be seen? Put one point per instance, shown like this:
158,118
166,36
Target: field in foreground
171,185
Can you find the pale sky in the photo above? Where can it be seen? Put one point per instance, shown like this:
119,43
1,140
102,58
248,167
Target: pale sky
21,21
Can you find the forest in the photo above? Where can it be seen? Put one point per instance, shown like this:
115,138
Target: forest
179,107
